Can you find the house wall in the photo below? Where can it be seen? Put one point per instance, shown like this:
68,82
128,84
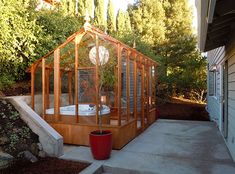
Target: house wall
217,57
231,99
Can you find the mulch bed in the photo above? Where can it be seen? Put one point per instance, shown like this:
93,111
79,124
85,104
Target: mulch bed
181,110
46,166
20,88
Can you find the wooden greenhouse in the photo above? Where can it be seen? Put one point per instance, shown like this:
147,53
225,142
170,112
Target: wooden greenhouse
70,82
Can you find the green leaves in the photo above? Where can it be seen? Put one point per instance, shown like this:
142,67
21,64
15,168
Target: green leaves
99,19
163,31
147,19
56,27
123,22
17,39
111,19
27,35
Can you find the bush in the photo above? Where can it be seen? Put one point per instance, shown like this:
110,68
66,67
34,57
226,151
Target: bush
27,35
17,39
56,27
6,80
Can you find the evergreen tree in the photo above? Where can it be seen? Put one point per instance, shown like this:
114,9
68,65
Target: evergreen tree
89,6
147,19
99,19
166,26
179,53
68,7
81,9
123,22
18,39
179,40
111,19
127,21
120,20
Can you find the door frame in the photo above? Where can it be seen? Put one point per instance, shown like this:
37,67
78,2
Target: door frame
224,99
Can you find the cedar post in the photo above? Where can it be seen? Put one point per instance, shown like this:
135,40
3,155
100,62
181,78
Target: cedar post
135,89
147,89
76,78
70,87
142,93
119,83
32,85
47,88
97,84
57,84
43,88
128,84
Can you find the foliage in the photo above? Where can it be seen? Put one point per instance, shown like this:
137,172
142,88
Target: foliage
123,22
6,80
27,35
111,19
17,39
166,28
81,9
89,4
161,30
52,33
15,133
147,19
68,7
82,6
130,38
99,19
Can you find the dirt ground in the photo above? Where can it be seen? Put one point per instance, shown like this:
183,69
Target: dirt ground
20,88
183,110
46,166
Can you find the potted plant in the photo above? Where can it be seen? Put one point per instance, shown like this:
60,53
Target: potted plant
100,140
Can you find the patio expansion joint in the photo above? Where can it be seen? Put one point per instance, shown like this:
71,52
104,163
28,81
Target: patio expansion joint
185,158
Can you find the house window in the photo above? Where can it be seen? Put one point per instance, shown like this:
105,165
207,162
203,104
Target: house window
212,83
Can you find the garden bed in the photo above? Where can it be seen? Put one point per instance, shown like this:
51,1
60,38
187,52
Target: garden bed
183,110
15,136
46,166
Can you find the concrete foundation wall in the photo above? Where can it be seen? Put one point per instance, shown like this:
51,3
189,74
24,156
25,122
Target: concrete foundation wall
51,140
64,101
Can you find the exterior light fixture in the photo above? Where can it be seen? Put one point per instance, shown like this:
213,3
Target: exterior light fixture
214,68
103,55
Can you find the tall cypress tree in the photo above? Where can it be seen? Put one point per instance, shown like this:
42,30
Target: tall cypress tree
127,21
71,7
89,6
147,18
68,7
120,21
99,19
111,19
123,22
80,5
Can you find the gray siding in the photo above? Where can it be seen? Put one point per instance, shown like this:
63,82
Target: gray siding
217,57
231,101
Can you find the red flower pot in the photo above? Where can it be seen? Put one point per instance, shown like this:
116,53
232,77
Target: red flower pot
101,144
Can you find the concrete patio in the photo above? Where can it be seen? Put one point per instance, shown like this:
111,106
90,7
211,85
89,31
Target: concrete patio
168,146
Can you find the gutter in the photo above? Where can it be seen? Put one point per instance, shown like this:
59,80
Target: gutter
211,11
